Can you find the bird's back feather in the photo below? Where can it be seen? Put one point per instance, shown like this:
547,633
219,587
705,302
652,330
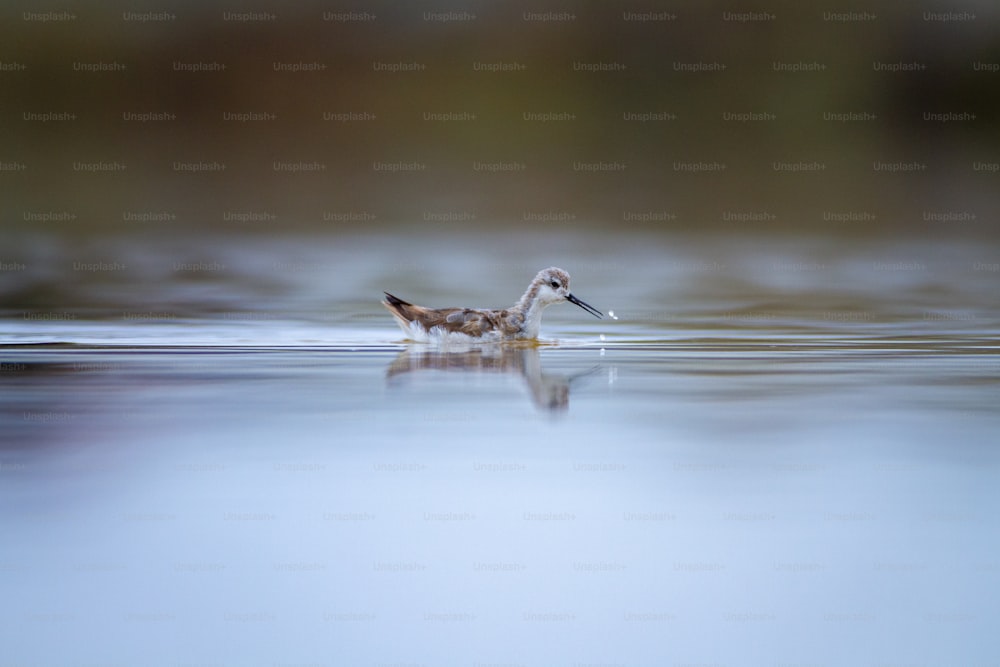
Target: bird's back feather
467,321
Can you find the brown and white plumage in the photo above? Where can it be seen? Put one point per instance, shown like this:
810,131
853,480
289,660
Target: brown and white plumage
520,321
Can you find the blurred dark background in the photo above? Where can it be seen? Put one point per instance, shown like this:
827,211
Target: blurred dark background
117,115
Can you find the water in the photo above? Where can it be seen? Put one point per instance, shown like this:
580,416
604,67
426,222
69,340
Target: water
780,453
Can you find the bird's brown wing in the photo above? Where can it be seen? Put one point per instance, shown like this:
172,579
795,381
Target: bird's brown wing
455,320
463,320
477,322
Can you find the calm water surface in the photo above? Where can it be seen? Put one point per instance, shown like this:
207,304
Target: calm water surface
762,461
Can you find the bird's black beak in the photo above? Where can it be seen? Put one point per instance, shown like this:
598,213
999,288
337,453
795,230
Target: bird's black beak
586,306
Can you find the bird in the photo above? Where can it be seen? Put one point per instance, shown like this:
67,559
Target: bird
519,322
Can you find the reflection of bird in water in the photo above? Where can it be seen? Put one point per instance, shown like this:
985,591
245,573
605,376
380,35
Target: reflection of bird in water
549,391
519,322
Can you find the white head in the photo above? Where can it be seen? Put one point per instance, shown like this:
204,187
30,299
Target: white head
550,286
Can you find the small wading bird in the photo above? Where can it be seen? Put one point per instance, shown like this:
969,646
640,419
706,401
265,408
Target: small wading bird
519,322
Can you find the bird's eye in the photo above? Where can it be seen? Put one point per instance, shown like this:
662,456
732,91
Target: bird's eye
555,285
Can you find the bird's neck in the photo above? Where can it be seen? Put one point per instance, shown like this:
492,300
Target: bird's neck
530,308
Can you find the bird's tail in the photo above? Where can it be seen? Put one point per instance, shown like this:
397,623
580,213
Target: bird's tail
395,301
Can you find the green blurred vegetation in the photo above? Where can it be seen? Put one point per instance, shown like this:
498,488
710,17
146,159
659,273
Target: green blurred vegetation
50,52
